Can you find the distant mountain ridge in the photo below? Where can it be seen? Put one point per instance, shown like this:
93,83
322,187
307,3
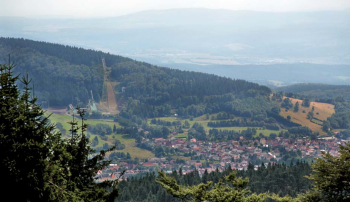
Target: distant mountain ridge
192,35
275,75
320,91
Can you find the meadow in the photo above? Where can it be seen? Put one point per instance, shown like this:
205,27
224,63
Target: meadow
321,111
204,121
130,145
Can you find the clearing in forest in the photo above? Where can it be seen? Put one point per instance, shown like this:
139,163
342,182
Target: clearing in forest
112,103
204,122
321,112
130,144
108,103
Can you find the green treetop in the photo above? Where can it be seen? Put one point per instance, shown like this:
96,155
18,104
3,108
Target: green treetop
30,147
219,192
35,161
331,177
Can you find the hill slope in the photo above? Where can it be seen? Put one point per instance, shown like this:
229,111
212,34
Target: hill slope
65,75
320,113
153,91
321,91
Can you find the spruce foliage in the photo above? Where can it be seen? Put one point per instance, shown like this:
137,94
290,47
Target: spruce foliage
331,177
36,161
228,189
286,181
30,147
82,169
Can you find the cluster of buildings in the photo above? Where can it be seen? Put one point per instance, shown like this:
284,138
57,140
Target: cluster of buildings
264,149
217,156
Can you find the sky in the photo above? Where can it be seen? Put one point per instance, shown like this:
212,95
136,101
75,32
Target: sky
107,8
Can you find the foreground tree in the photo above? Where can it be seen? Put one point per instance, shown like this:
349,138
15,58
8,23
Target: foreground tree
84,169
30,147
331,177
36,162
229,189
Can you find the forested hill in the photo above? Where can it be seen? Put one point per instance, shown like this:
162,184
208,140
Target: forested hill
73,55
153,91
275,178
322,91
61,74
65,74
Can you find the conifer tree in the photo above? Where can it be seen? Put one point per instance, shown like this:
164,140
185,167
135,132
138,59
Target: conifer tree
296,107
219,192
30,147
84,168
114,129
35,161
331,177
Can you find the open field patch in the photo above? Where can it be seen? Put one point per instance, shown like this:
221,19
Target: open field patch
321,111
64,119
130,145
204,122
59,110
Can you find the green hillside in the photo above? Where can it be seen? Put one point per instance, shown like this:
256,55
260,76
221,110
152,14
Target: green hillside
130,146
320,92
66,75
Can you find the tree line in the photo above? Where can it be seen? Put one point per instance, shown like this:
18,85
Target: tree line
280,179
270,124
152,91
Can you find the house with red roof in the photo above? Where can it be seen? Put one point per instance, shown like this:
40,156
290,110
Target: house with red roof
197,165
148,164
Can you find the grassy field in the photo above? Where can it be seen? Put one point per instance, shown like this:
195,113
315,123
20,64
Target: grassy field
324,111
203,121
128,142
264,132
64,119
132,149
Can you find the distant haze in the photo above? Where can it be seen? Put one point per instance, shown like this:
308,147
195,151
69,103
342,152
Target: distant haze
216,38
105,8
201,36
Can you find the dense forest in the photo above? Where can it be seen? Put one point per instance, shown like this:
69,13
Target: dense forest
319,92
275,178
56,80
341,118
62,74
152,91
81,70
73,55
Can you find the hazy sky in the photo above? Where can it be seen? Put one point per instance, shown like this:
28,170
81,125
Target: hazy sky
103,8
